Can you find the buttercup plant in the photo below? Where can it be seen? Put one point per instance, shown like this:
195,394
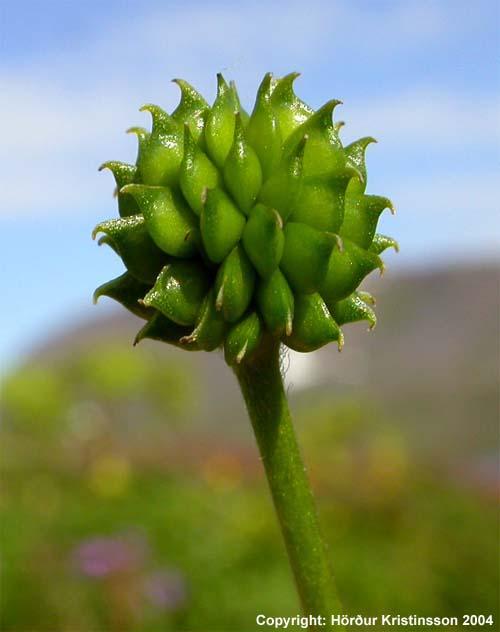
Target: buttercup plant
247,233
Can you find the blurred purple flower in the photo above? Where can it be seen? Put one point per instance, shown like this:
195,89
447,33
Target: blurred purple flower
165,589
102,556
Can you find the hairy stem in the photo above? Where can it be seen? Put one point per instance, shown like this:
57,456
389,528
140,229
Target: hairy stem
262,387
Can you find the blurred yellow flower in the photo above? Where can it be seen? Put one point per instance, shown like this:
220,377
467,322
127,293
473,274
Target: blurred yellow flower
109,475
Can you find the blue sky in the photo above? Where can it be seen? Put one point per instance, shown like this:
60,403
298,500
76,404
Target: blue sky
421,76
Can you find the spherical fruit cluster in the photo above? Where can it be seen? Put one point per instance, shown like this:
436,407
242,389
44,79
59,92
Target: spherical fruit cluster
234,227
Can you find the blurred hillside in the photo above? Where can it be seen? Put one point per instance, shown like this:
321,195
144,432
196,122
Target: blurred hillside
431,363
134,499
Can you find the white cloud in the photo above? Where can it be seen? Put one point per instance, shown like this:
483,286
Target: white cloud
39,118
429,117
247,35
62,116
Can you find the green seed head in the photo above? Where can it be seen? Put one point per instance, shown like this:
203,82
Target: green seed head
234,228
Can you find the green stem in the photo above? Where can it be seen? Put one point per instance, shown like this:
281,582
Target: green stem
262,387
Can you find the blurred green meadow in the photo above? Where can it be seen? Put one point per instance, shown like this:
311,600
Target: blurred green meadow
133,497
